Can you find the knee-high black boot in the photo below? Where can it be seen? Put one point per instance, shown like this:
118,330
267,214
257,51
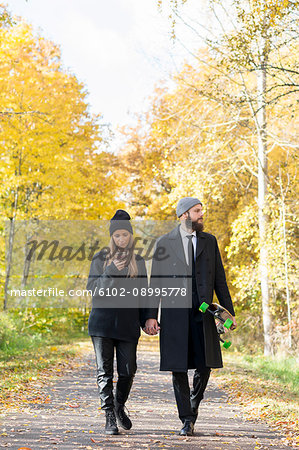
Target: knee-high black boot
123,388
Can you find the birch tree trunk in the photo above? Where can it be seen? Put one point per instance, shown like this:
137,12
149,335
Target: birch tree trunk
286,262
262,192
10,249
27,262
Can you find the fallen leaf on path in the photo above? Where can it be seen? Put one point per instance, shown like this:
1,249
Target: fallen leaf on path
96,442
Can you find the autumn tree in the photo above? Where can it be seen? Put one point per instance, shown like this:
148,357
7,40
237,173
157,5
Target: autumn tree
192,142
254,37
54,158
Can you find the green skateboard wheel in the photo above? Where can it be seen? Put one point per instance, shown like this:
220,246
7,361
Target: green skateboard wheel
228,323
227,344
203,307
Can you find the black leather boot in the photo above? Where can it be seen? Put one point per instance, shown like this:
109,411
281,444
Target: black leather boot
123,387
111,427
122,418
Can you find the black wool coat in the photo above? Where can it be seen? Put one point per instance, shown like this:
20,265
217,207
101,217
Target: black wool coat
116,299
169,270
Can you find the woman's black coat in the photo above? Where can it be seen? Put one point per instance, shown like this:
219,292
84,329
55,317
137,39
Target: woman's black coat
116,299
169,270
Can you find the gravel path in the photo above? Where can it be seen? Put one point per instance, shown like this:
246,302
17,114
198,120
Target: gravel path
70,419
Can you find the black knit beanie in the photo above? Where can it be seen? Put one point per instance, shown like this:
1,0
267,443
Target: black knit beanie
120,221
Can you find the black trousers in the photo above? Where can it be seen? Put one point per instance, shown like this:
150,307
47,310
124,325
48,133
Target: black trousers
188,402
126,369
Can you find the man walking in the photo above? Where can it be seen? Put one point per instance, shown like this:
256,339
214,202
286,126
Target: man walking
188,274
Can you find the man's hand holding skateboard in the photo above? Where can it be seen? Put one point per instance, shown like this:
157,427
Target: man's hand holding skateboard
234,325
225,321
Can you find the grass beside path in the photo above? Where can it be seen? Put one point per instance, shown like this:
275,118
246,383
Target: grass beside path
267,388
23,375
34,344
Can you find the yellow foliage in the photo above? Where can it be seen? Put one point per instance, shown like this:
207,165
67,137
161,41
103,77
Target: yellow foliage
52,164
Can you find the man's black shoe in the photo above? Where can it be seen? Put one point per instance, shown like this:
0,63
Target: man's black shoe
188,428
122,418
111,427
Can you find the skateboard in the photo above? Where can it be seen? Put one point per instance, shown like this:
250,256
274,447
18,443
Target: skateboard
223,319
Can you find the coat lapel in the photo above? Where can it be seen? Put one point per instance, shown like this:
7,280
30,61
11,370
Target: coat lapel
177,244
201,242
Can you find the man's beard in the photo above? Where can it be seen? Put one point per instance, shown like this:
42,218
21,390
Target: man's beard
195,226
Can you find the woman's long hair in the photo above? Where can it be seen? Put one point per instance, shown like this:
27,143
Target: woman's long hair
128,254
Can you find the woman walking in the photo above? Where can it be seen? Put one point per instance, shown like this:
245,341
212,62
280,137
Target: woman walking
116,279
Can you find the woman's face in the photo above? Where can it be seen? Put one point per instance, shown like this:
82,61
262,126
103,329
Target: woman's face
121,238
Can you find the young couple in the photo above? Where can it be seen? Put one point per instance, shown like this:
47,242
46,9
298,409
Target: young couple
188,338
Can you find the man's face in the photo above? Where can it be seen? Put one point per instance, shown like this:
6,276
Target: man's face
194,217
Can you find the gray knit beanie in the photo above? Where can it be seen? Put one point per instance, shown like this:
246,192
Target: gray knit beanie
185,204
120,221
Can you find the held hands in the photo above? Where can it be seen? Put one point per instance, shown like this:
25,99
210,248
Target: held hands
151,327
